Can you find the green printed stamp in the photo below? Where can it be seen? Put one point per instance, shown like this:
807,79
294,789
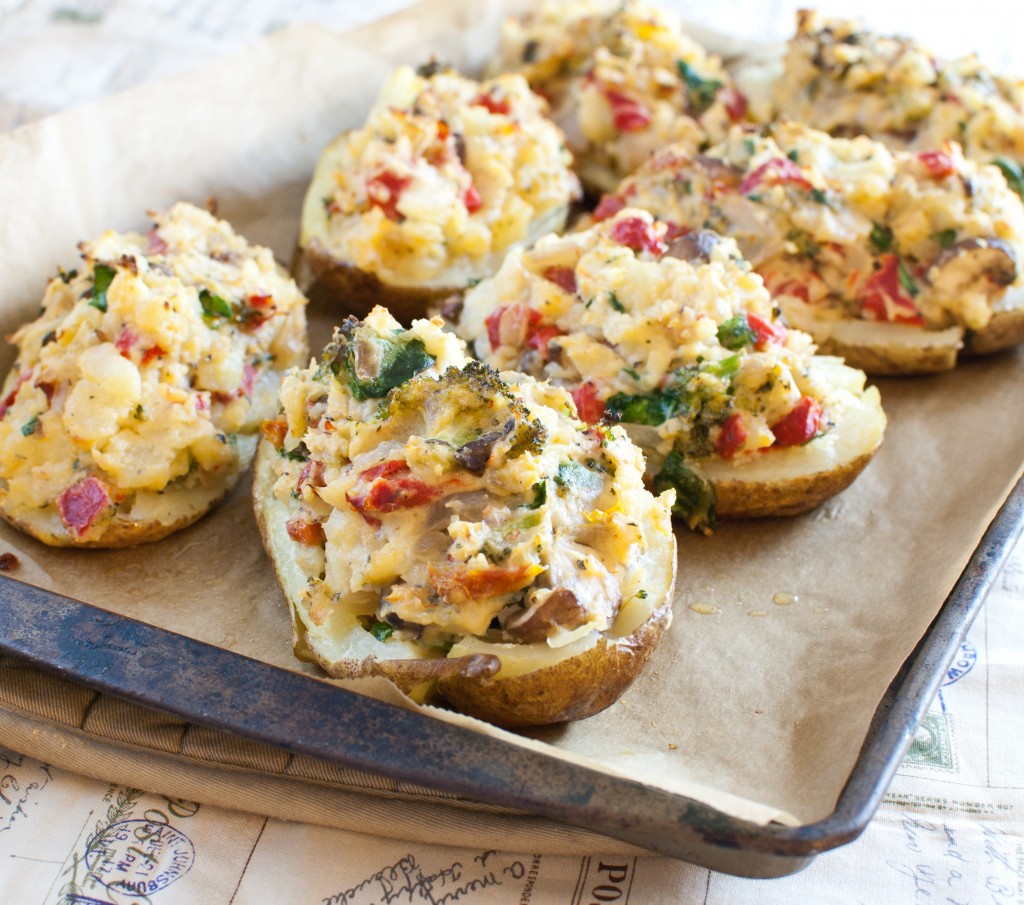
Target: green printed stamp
933,744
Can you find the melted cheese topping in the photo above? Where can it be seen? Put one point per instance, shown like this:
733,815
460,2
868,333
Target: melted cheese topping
445,173
457,503
847,226
691,349
623,80
844,79
145,368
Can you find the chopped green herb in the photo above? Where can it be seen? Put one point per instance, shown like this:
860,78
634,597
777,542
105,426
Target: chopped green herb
881,237
30,426
632,372
695,497
804,242
1013,174
139,414
907,281
735,333
793,155
613,300
540,495
641,594
66,276
945,237
214,305
724,368
299,454
382,630
653,408
700,92
103,276
820,196
750,146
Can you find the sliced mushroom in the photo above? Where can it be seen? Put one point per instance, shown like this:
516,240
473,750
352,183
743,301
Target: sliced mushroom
559,609
695,247
474,455
969,260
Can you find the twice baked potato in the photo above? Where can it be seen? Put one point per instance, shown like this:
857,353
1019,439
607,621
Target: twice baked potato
895,261
674,335
460,532
137,394
623,80
445,176
840,76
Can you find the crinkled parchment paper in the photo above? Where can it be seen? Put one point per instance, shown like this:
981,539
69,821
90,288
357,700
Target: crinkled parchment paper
786,632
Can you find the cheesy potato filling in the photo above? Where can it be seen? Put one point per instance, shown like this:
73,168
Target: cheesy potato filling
446,172
672,333
146,368
623,80
435,499
842,78
846,226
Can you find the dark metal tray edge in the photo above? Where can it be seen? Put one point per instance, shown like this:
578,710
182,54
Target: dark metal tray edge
220,689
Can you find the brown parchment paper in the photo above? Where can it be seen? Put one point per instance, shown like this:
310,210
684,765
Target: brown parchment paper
786,632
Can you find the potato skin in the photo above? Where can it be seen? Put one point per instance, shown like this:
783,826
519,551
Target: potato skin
758,499
1004,331
328,281
569,689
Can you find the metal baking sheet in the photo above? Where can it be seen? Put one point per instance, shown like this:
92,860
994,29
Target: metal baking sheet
217,688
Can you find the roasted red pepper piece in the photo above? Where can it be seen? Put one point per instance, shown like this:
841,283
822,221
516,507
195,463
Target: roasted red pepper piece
638,234
458,583
731,436
765,332
82,503
389,487
776,171
471,198
939,164
608,207
884,286
800,424
305,532
588,406
630,115
736,104
562,276
384,191
499,105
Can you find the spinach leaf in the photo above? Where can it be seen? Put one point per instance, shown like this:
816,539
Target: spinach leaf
695,497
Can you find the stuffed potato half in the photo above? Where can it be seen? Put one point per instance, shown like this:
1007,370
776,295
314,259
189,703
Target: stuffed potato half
136,398
426,197
461,532
675,336
896,261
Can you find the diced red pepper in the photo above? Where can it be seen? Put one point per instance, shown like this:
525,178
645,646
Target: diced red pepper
12,395
731,436
765,332
562,276
674,231
510,325
630,115
47,388
498,105
153,352
883,298
939,164
82,503
274,429
305,532
638,234
390,487
800,424
312,473
538,339
126,339
608,207
460,583
736,104
588,406
384,191
471,198
776,171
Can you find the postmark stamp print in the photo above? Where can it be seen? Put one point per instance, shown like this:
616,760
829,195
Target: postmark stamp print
139,857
